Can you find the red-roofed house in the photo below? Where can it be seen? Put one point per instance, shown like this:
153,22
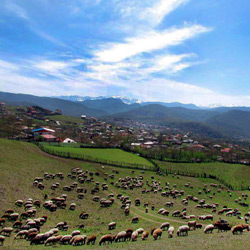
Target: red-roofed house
226,150
46,133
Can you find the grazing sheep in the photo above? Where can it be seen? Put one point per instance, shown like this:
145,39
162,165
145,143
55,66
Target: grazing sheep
22,234
198,226
157,233
38,239
222,226
170,232
2,238
237,229
176,213
120,236
14,216
245,226
17,224
72,206
91,240
52,240
135,220
19,203
106,238
65,239
134,236
209,229
183,230
165,226
61,225
75,232
84,216
31,236
192,224
78,240
128,235
152,230
140,230
6,231
145,235
112,225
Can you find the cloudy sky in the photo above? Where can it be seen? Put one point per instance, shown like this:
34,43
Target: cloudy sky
191,51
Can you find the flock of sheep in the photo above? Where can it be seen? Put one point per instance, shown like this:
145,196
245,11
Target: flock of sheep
28,226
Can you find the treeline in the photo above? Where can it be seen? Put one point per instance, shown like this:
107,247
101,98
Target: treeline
173,155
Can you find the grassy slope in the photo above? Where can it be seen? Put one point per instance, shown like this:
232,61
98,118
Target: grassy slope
236,175
106,154
20,163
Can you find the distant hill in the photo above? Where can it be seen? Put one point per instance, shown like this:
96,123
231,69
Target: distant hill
233,122
110,105
187,120
67,107
153,111
225,109
172,105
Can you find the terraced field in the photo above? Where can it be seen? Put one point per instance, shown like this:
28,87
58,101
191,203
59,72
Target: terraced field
21,163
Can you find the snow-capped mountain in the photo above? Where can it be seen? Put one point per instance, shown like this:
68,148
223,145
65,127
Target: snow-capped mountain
76,98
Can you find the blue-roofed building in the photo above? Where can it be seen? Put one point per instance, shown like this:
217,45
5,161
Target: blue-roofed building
45,133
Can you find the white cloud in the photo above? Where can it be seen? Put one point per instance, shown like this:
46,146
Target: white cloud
172,91
51,66
158,11
82,83
148,42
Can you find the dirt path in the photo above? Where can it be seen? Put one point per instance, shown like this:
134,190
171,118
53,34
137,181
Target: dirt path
164,219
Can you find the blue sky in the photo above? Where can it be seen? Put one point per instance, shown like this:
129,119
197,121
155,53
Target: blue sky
191,51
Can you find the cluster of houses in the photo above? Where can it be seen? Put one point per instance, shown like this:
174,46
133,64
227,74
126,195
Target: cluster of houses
39,124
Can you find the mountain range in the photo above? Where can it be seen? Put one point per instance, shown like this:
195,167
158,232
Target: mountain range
233,122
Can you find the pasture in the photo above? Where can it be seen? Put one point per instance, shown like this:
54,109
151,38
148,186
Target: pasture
235,176
21,163
110,155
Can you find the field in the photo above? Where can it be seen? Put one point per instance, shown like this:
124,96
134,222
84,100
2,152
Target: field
235,176
21,162
116,156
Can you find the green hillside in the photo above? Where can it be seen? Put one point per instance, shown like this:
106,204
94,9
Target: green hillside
21,162
234,175
117,156
159,111
234,122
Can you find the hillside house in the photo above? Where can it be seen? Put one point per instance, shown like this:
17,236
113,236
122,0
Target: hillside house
2,106
45,133
68,140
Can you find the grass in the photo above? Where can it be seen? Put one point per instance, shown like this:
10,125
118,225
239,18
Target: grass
21,162
235,176
117,156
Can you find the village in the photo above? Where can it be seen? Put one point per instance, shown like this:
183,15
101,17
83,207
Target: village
36,124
